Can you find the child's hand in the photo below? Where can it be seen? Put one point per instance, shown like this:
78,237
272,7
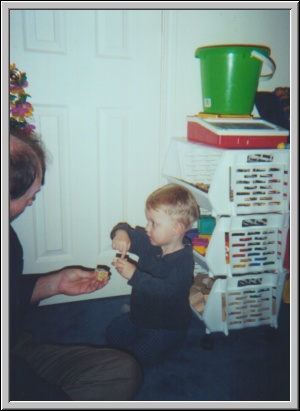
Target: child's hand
124,268
121,242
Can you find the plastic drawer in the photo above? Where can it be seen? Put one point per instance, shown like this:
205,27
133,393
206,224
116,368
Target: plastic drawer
246,244
231,182
245,301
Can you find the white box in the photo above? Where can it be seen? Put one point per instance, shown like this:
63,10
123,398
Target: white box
246,244
244,301
232,182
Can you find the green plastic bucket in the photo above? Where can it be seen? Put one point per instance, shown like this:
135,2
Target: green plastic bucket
230,76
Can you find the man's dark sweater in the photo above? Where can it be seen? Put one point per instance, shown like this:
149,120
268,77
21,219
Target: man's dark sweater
20,287
25,385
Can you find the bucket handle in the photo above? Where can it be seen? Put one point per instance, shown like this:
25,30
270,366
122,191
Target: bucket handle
269,63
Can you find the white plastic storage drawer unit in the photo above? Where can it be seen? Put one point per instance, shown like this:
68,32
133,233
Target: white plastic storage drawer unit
246,244
245,301
231,182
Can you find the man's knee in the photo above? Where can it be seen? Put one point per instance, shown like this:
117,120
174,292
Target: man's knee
86,373
110,375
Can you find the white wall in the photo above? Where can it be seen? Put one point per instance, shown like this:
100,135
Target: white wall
198,28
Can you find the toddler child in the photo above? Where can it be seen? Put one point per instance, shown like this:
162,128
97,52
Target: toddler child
157,323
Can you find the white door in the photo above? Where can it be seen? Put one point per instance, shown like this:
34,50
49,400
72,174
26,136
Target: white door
94,79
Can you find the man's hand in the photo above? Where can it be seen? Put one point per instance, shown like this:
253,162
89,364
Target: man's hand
68,281
76,281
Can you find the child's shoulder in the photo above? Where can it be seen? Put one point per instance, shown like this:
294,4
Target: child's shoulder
187,255
184,254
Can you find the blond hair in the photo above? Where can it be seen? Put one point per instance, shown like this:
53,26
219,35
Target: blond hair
177,201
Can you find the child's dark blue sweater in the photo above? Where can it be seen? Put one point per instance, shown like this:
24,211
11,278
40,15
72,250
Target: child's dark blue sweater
160,284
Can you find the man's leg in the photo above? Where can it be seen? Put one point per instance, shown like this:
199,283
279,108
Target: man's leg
85,373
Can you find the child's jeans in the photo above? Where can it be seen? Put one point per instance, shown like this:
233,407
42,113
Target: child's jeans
149,345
